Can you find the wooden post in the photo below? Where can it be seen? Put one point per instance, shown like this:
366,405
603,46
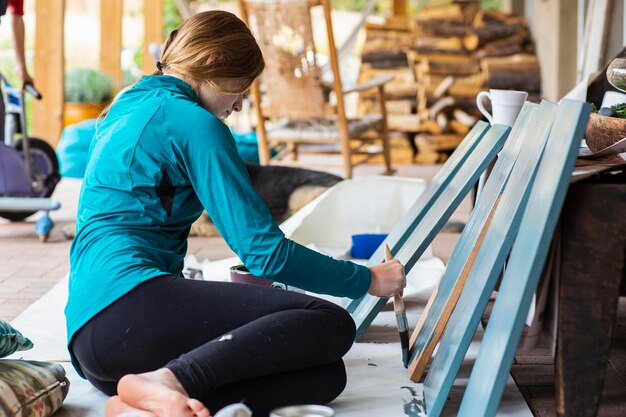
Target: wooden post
555,22
111,12
513,6
399,7
153,31
48,112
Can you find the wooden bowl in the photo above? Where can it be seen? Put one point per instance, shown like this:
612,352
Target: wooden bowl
603,131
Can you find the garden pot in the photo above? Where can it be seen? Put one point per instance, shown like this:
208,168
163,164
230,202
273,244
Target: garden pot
77,112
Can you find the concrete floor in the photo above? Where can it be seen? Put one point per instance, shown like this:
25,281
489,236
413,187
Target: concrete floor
28,269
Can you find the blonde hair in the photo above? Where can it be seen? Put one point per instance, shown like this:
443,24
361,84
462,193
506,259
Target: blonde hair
207,46
213,45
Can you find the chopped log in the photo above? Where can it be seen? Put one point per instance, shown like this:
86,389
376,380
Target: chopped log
405,106
461,87
507,50
518,39
400,106
385,59
443,29
443,142
429,126
480,36
401,87
458,127
441,56
464,118
488,17
442,66
400,75
443,86
380,40
461,12
388,23
439,106
467,104
442,121
403,122
517,72
435,43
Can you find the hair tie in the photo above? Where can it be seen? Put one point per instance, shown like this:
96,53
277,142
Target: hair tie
159,66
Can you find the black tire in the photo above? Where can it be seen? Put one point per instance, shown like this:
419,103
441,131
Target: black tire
45,158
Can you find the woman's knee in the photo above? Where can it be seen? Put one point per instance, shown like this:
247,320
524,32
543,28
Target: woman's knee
342,329
334,384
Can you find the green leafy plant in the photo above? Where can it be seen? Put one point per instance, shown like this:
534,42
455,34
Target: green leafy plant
620,109
86,85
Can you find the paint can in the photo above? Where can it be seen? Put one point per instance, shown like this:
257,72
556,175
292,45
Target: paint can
240,274
310,410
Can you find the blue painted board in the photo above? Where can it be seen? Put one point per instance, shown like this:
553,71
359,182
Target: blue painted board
526,262
435,187
488,265
432,219
425,334
412,218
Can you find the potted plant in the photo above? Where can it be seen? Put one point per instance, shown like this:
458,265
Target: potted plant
87,92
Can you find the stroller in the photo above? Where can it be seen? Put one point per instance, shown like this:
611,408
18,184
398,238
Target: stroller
29,168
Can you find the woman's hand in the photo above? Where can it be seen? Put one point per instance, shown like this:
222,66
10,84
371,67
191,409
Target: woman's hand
388,279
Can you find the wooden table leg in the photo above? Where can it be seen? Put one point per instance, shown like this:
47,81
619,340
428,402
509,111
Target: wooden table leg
593,252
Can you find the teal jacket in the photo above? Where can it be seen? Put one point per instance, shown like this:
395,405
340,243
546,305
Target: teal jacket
157,160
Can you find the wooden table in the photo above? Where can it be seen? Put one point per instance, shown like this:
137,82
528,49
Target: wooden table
593,252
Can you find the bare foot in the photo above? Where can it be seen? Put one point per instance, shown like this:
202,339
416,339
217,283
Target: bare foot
116,407
160,394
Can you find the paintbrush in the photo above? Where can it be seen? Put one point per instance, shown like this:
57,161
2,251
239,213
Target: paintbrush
403,324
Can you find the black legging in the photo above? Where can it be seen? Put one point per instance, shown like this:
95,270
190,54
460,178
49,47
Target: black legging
225,342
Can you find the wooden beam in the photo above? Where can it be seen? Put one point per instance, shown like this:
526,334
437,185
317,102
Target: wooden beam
153,31
48,112
111,12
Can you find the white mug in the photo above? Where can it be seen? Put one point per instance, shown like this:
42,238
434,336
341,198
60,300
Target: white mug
505,105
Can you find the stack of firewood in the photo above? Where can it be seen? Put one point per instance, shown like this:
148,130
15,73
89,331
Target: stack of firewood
456,51
385,52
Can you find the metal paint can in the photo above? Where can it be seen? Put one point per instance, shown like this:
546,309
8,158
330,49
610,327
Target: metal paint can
240,274
310,410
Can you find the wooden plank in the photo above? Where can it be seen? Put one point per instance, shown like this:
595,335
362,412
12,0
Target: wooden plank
426,336
418,366
365,309
49,70
422,222
593,237
526,262
153,31
488,266
111,12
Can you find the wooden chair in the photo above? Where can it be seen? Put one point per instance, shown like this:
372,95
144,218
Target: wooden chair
292,105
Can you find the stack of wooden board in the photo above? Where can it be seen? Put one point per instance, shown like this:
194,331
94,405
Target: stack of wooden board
455,51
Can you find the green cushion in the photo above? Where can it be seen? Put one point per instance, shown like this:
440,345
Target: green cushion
11,340
31,389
